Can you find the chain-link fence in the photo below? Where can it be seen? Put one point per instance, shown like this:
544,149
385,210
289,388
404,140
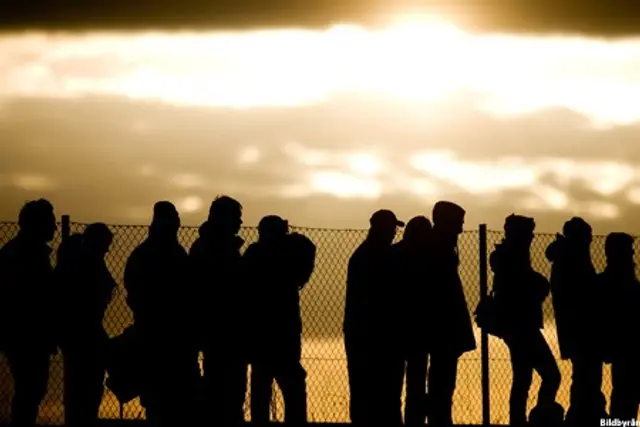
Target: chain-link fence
322,310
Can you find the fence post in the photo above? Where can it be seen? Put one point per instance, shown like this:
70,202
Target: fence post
66,227
484,337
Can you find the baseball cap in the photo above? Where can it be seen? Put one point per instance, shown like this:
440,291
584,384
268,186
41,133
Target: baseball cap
385,217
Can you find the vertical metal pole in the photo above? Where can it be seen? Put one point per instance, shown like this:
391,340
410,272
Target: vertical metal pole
66,227
484,338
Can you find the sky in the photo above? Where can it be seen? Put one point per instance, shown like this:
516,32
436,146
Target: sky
323,124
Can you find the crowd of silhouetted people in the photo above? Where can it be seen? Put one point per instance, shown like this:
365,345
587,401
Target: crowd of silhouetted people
406,319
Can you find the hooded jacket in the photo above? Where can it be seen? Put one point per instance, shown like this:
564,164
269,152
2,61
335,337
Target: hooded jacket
574,294
455,332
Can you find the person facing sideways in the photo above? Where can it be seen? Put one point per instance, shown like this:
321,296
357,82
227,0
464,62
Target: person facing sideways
576,303
620,292
369,365
84,288
279,265
216,264
409,334
519,294
454,335
160,294
27,336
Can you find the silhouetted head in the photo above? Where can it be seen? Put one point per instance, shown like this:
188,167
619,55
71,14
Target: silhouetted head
272,227
448,217
225,214
166,220
519,229
618,248
97,239
384,225
417,230
577,232
38,221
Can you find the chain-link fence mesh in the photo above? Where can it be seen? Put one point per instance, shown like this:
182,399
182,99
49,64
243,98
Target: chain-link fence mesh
322,308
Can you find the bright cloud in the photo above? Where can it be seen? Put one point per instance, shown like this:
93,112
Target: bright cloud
422,61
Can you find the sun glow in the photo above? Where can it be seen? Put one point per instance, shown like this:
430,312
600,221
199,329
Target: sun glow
418,58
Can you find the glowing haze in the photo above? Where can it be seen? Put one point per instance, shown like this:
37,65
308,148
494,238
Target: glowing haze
418,62
416,59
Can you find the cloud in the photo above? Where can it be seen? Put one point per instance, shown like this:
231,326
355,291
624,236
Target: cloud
506,75
334,173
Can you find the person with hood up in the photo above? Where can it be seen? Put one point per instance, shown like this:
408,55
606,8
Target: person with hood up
455,335
216,265
366,324
576,303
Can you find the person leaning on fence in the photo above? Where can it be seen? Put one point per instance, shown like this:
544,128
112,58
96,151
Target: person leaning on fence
84,288
274,282
216,264
449,321
27,316
620,291
409,333
577,307
160,294
370,381
519,294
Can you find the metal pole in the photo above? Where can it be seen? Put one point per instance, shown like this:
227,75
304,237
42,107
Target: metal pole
66,227
484,337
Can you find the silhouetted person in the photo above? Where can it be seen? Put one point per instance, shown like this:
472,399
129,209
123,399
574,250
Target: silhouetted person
577,308
621,291
520,292
276,330
26,289
411,276
84,288
370,369
452,333
217,267
159,292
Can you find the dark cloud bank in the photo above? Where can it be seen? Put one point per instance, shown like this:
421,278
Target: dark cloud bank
596,17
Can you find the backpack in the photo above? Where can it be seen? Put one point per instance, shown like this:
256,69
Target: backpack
302,252
487,316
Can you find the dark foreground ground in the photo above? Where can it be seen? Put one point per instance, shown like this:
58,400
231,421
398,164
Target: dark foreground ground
131,423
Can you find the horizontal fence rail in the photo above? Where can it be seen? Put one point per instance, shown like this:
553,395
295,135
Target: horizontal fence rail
322,306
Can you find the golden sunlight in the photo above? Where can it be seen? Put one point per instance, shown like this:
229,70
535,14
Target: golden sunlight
419,59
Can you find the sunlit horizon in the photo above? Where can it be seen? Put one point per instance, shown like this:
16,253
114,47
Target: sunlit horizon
420,59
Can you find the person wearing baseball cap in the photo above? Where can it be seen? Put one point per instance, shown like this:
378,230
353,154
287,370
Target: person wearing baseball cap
448,309
370,379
